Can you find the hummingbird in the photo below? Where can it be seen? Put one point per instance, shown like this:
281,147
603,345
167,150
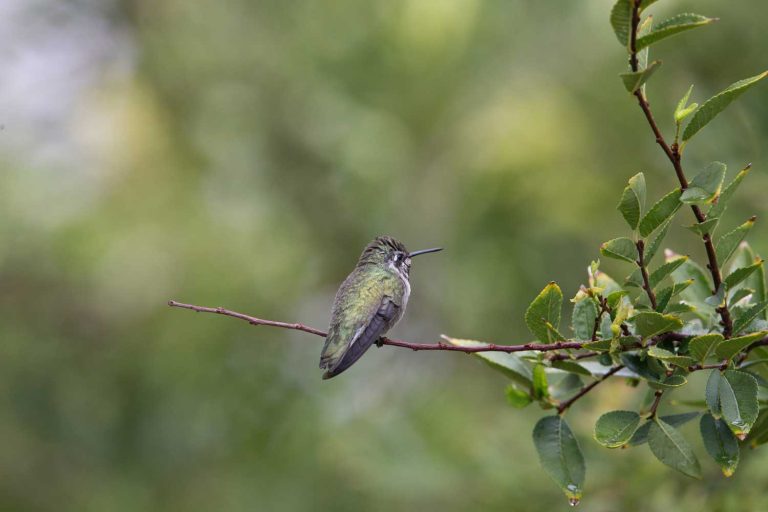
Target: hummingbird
368,303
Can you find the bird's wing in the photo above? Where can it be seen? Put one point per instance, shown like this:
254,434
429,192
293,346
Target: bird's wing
379,324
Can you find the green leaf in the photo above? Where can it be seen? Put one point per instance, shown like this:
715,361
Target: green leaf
660,212
740,274
629,341
733,395
729,348
683,110
670,357
510,365
646,367
616,428
615,298
599,345
717,209
753,362
739,295
673,381
666,269
640,366
662,299
702,347
545,308
634,80
621,20
517,398
757,282
604,281
620,314
728,243
712,393
745,318
650,323
683,101
632,200
571,367
672,26
679,309
744,256
634,279
671,448
540,386
762,382
716,104
652,248
687,111
737,392
759,433
718,299
720,443
606,327
565,387
704,228
678,288
644,28
620,249
646,3
560,455
676,420
583,318
554,334
705,186
755,441
698,292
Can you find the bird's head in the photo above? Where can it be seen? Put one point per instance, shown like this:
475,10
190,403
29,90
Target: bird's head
389,252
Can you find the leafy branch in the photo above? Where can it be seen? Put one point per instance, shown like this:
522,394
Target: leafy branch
675,157
455,345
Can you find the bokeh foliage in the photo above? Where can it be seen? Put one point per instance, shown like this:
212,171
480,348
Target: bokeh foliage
241,154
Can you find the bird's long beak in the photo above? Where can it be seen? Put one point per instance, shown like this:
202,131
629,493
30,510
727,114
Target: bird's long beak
424,251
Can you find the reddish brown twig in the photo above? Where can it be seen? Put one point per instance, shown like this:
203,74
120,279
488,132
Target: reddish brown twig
674,156
490,347
655,405
250,319
604,308
697,367
586,389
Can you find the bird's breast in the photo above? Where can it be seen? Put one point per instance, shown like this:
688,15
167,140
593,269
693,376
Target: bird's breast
406,290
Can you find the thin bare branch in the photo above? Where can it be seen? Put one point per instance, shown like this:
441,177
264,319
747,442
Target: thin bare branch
490,347
656,401
586,389
250,319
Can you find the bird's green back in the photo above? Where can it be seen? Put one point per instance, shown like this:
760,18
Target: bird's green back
357,301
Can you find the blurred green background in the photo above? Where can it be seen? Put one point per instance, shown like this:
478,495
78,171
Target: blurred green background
241,154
